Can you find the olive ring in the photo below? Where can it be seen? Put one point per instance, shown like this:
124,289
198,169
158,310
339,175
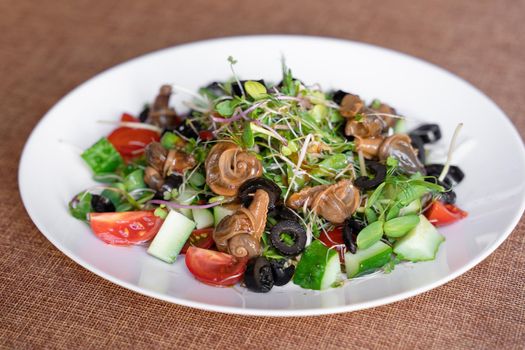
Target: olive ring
249,187
364,183
295,231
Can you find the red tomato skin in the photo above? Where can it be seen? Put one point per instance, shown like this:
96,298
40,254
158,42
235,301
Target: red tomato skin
215,268
131,142
205,243
334,238
125,228
126,117
441,214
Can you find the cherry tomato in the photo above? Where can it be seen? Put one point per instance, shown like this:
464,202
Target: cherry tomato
206,135
441,214
131,142
126,117
125,228
334,238
202,238
215,268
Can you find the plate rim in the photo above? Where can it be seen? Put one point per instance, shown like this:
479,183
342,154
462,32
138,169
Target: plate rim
269,312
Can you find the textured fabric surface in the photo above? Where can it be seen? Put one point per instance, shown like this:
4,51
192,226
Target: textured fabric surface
48,301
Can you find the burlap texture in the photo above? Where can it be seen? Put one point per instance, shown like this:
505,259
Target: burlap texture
47,48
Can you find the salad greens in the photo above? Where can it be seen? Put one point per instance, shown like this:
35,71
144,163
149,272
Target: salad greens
340,179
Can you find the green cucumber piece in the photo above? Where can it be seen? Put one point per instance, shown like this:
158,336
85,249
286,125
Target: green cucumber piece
413,208
367,260
420,244
319,267
220,213
186,198
203,218
172,235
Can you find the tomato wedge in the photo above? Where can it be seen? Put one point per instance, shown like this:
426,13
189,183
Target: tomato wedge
126,117
131,142
202,238
441,214
125,228
334,238
215,268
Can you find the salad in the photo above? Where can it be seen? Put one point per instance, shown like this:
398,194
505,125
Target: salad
268,184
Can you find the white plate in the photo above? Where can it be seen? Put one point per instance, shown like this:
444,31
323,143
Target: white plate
491,154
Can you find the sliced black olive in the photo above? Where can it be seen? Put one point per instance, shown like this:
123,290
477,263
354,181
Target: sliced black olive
449,196
454,175
171,182
236,90
258,276
101,204
294,231
338,96
143,116
189,130
351,228
418,145
282,212
249,187
365,183
281,274
429,133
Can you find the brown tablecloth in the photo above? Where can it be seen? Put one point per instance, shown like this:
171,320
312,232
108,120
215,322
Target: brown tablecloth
46,300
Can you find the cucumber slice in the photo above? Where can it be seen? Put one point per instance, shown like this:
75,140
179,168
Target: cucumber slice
172,235
367,260
220,213
319,267
413,208
186,198
203,218
420,244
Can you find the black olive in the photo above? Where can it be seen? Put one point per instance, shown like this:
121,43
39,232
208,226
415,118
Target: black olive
143,116
101,204
429,133
249,187
454,175
351,228
282,212
236,90
365,183
296,232
449,196
258,276
187,130
281,274
171,182
338,96
418,145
